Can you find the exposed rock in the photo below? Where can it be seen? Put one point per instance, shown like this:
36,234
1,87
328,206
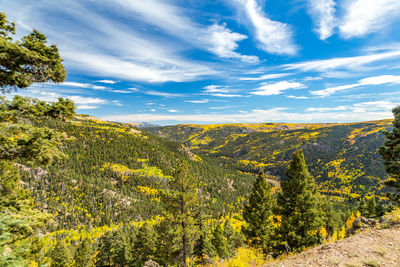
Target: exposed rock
361,223
151,263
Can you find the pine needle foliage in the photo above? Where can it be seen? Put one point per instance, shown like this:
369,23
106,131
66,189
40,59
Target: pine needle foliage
258,215
390,153
299,208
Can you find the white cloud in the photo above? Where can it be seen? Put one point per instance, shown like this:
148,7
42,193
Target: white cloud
218,39
107,81
224,43
297,97
323,15
204,101
87,100
327,109
375,80
87,107
352,63
215,89
276,88
366,16
265,77
94,43
309,78
164,94
172,110
226,95
274,37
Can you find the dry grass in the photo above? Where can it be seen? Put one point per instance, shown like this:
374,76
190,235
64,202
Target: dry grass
373,248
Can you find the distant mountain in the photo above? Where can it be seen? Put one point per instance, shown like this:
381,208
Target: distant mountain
143,124
342,156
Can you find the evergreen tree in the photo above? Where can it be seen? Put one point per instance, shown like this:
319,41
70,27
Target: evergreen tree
203,249
105,257
181,201
299,208
121,250
220,242
362,206
371,207
61,255
390,153
230,236
27,61
84,254
144,247
258,215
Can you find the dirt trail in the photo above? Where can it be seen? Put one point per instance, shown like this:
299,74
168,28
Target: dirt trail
370,248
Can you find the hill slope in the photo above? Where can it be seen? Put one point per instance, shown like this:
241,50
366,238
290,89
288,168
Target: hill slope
114,171
342,157
369,248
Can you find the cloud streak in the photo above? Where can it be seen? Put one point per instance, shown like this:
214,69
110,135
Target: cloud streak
367,16
323,15
375,80
276,88
274,37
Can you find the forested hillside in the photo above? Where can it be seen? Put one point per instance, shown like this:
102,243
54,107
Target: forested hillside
342,157
114,172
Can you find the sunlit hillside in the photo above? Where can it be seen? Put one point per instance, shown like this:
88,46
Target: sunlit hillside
342,157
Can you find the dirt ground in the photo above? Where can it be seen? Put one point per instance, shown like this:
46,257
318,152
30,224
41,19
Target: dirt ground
369,248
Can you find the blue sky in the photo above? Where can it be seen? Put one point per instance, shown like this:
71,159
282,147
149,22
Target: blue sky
192,61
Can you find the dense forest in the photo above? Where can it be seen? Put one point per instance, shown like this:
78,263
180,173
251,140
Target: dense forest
343,158
79,191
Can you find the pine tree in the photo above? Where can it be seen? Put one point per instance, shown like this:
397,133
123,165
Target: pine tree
390,153
104,258
121,250
84,254
371,207
258,215
27,61
144,246
299,208
203,248
61,255
220,243
181,201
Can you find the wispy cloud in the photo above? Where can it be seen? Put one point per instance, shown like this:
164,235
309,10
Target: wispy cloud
366,16
107,81
163,94
172,110
224,43
277,88
375,80
349,63
274,37
226,95
216,89
265,77
297,97
124,52
323,15
87,107
204,101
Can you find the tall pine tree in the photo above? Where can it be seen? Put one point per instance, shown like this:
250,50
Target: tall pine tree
390,153
181,201
299,208
258,215
84,254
